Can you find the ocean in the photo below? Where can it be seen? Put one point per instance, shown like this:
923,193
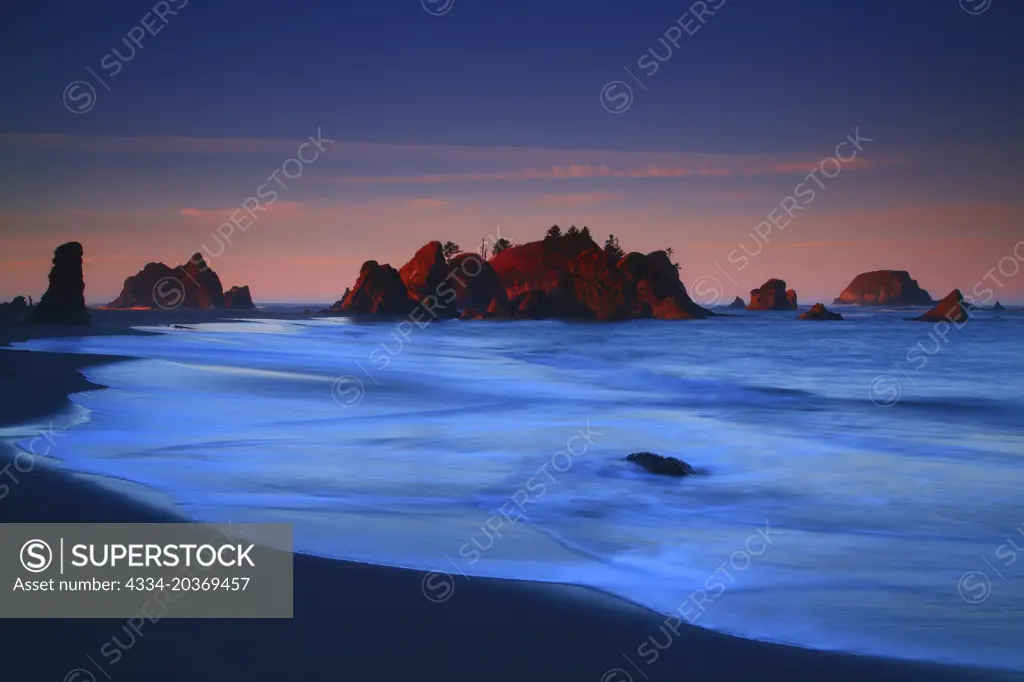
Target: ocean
858,483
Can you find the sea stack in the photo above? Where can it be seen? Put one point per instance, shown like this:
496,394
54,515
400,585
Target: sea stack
425,273
884,287
998,306
571,277
594,288
238,298
64,300
772,295
478,288
378,291
192,285
202,283
654,289
141,289
738,304
538,266
566,277
532,305
820,312
949,309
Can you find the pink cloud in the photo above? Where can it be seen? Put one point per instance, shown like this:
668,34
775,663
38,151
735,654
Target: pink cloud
453,163
592,171
280,209
567,172
736,195
893,243
578,199
90,214
428,203
803,167
554,173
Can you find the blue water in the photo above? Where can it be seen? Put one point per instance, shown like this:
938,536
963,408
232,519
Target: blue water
834,509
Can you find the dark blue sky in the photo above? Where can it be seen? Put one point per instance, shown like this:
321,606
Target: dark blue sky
759,76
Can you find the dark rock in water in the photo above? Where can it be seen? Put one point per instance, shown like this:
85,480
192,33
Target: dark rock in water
657,464
64,300
424,275
884,287
478,288
571,277
238,298
154,286
336,306
594,288
998,306
820,312
738,303
949,309
533,305
772,295
566,277
538,266
555,277
202,284
654,289
192,285
582,281
427,282
378,291
15,310
496,310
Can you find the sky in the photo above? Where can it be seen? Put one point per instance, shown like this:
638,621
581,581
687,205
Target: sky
316,135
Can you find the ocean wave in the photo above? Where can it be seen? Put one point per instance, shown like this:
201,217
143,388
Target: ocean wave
878,510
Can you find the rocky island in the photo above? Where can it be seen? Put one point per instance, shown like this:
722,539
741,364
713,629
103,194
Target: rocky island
565,276
190,286
820,312
64,300
950,309
772,295
884,287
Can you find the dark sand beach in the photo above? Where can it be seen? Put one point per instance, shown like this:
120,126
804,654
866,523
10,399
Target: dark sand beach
357,621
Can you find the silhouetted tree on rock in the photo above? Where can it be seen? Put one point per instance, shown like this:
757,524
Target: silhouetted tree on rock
450,249
612,249
500,245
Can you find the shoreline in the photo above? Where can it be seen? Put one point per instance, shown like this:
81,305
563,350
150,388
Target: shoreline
373,620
